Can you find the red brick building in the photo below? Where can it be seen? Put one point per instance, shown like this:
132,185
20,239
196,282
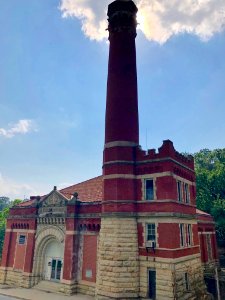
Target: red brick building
133,232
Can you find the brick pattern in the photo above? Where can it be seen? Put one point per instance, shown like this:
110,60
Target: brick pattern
89,258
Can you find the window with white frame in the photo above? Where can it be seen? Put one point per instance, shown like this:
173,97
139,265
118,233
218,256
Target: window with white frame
185,235
186,193
179,191
189,235
182,235
149,189
151,234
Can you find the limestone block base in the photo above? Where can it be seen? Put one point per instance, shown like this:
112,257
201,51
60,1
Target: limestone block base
170,278
86,288
15,278
118,262
68,289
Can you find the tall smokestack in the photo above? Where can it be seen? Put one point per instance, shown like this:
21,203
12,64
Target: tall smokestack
122,97
118,241
121,124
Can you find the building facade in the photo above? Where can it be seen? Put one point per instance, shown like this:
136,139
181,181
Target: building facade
133,232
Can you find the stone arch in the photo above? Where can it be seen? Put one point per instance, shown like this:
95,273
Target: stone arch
44,237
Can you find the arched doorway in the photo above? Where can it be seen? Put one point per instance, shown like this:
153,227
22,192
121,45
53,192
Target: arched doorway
49,253
53,261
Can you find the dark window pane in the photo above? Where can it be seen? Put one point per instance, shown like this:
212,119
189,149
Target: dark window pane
179,190
53,269
151,232
187,199
182,235
22,239
152,284
149,190
58,271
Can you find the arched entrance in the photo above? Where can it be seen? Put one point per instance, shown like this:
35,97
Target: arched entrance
49,253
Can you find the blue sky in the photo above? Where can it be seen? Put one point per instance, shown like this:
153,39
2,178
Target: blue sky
53,85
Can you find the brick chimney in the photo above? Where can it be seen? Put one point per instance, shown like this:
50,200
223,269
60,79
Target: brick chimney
118,242
121,124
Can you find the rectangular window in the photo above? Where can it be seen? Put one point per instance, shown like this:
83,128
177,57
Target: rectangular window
186,282
189,235
209,246
150,232
149,189
22,239
182,235
186,192
179,191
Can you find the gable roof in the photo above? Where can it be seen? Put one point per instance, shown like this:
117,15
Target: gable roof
53,198
26,203
88,191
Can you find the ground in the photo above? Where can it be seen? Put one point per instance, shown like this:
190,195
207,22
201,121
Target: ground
8,293
6,298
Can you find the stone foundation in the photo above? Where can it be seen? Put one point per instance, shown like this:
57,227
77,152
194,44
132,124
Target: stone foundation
15,278
86,288
57,287
118,263
170,278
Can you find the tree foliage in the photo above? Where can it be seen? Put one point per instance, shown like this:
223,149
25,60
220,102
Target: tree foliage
3,217
210,181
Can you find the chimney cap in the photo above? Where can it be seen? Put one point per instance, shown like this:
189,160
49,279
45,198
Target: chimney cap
122,5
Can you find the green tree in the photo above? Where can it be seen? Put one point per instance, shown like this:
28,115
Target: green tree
3,217
210,181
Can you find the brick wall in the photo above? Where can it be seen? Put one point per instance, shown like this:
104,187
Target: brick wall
89,258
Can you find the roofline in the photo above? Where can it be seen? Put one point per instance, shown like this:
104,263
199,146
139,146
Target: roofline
80,183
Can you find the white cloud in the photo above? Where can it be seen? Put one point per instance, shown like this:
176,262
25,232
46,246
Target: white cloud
21,127
15,190
159,19
91,13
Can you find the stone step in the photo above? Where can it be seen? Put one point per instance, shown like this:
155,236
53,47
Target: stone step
50,286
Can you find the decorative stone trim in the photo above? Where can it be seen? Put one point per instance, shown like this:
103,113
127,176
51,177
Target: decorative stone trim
120,144
22,217
174,249
51,220
44,236
168,220
171,260
21,230
207,232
